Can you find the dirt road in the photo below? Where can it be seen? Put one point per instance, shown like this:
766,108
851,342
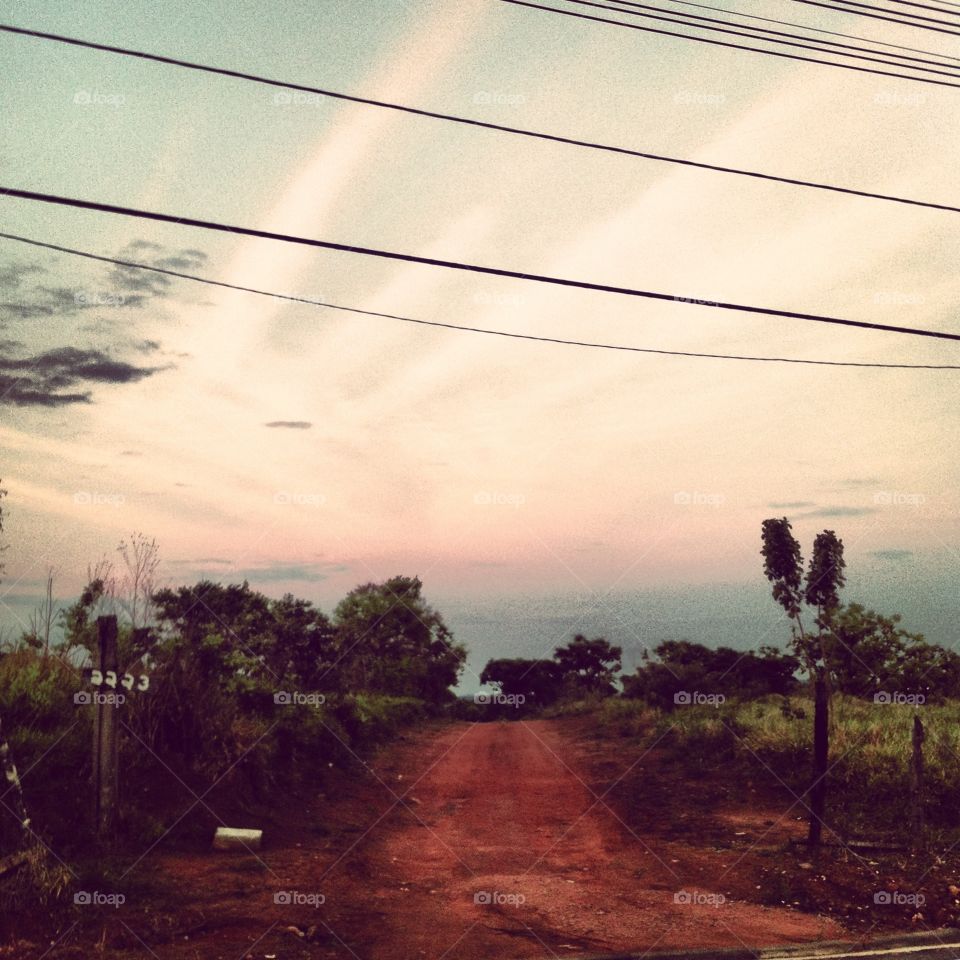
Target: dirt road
507,852
468,841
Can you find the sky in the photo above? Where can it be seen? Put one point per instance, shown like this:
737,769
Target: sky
537,489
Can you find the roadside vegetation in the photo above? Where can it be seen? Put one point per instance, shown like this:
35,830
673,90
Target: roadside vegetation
236,698
751,716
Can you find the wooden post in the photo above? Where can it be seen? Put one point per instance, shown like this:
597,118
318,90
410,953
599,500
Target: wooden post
821,749
916,782
105,773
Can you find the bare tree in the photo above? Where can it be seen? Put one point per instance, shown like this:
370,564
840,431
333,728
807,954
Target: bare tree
141,558
43,618
102,572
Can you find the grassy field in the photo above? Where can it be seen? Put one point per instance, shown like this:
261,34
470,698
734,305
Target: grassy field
771,739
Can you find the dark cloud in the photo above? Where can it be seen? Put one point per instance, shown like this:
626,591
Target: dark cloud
792,505
131,453
127,287
142,285
51,379
290,424
841,512
892,554
12,274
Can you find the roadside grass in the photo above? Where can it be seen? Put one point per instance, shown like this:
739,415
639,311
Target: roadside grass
771,739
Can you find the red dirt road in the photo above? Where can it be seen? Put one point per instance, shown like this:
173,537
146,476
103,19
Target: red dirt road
507,852
464,842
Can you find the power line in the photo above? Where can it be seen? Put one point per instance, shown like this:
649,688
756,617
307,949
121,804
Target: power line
790,23
457,265
904,13
875,16
450,326
481,124
804,26
946,3
924,6
637,10
728,44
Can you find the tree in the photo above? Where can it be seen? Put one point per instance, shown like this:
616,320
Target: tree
390,640
215,623
538,681
303,643
783,567
682,666
871,653
589,666
824,580
141,557
42,619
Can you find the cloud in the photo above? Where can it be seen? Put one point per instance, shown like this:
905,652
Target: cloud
841,512
127,286
200,561
41,380
792,505
12,274
892,554
290,424
221,570
281,573
144,285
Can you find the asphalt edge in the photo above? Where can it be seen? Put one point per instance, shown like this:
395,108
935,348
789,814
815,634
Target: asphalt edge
945,938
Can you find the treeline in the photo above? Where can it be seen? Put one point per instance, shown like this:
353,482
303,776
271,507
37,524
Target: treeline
244,696
865,655
581,669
